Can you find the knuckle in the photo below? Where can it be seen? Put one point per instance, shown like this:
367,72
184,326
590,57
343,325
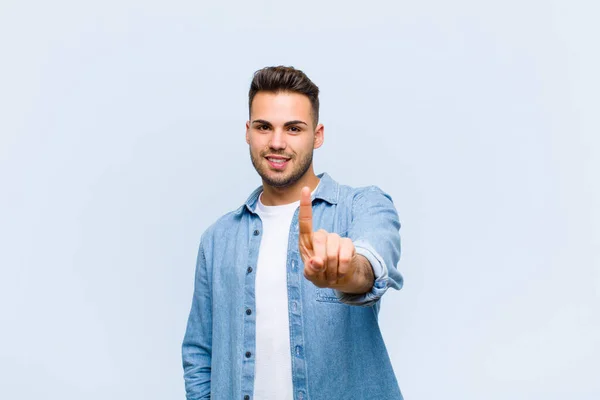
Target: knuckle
334,236
343,269
345,260
318,237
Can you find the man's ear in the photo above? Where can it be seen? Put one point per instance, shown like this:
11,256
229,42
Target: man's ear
248,132
319,136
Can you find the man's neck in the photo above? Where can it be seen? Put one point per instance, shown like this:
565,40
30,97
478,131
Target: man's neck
274,196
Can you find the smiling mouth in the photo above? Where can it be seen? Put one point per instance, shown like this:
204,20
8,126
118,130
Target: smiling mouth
277,163
277,160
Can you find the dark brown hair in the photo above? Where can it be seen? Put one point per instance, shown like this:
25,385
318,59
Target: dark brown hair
285,79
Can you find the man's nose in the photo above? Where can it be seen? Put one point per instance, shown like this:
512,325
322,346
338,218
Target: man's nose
278,140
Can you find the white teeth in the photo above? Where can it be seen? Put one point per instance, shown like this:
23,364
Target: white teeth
277,160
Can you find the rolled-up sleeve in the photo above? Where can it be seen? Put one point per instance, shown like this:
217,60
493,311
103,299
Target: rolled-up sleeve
375,232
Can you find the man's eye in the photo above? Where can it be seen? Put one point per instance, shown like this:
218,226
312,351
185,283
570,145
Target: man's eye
263,127
294,129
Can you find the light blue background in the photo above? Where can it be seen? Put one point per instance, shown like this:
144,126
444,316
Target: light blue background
122,139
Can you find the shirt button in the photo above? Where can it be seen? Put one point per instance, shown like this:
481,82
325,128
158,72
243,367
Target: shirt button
294,306
300,396
246,397
256,232
248,354
248,311
293,265
249,270
298,351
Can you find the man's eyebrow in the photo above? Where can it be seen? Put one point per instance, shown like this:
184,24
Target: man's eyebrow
261,121
295,122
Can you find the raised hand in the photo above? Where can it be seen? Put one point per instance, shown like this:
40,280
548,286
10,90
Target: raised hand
328,258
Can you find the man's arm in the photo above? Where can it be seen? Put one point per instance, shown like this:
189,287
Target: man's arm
362,266
197,342
374,231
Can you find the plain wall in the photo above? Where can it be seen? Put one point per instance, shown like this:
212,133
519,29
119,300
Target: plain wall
122,139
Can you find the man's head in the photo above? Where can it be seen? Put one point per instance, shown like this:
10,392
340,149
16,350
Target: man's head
283,129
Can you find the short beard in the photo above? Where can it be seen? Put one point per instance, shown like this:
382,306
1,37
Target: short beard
284,181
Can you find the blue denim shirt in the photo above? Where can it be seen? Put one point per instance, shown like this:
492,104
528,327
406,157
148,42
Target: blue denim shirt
337,348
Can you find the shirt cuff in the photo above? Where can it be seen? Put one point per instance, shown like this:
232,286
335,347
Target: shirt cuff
380,272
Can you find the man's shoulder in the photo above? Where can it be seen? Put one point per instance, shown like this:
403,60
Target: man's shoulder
350,194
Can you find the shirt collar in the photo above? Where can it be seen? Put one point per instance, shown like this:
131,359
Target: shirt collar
328,191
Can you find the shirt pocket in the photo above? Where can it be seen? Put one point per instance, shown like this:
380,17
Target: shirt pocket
327,295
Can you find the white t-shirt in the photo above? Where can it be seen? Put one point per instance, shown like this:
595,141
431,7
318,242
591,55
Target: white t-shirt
273,373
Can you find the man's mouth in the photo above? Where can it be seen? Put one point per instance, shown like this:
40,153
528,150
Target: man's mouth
277,162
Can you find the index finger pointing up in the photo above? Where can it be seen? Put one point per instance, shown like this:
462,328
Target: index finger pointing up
305,216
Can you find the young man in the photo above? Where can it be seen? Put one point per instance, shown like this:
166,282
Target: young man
287,286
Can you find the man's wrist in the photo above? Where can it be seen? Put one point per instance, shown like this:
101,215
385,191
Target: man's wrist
362,278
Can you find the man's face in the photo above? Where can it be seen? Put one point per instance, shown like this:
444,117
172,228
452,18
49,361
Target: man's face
282,137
